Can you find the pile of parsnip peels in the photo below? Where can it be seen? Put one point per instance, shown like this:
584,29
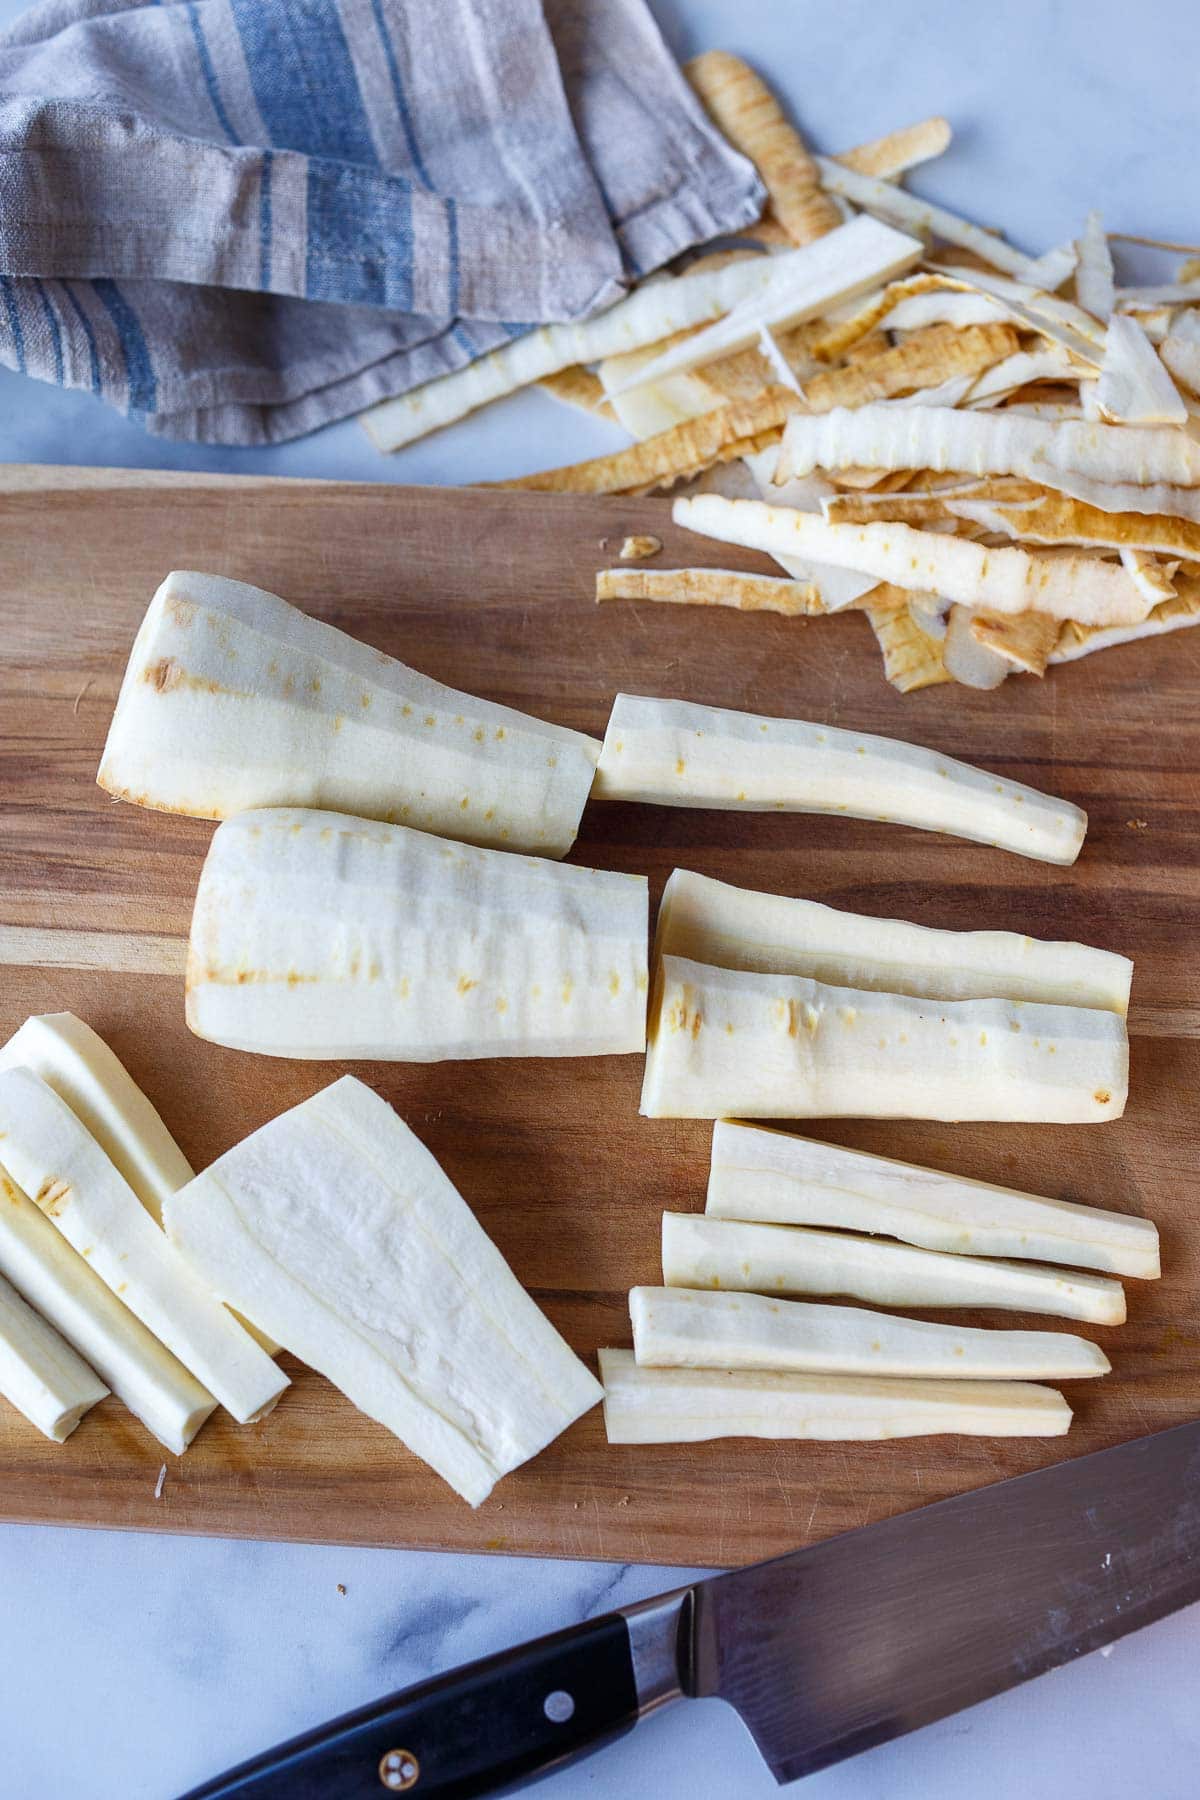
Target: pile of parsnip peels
995,457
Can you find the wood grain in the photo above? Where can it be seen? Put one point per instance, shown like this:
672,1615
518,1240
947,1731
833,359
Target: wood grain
493,592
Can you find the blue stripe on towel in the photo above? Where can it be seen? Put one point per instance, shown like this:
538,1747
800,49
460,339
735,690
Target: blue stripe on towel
14,321
359,237
208,70
143,388
452,231
85,325
56,343
264,221
402,106
303,79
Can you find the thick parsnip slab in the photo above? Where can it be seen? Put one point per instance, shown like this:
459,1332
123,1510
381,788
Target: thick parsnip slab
693,1406
704,1328
740,928
40,1374
56,1161
334,1229
318,935
52,1277
83,1071
655,309
670,753
724,1043
1008,580
801,284
779,1179
885,436
234,699
699,1252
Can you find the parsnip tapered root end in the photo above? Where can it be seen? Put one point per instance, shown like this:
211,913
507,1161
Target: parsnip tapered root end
671,753
334,1229
233,699
710,1328
690,1406
319,935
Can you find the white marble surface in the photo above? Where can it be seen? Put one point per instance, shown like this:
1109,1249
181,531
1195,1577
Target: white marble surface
135,1666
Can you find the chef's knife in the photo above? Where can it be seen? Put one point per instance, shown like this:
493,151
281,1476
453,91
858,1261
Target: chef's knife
823,1653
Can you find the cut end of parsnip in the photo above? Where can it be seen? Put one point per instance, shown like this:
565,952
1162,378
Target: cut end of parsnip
40,1374
698,1328
234,699
319,935
671,753
689,1406
334,1229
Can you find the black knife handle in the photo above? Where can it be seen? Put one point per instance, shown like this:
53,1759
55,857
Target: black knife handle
472,1731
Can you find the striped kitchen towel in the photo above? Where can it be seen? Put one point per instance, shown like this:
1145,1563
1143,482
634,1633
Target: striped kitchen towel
240,219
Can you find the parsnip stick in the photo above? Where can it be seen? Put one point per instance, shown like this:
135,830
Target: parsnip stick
703,1328
712,587
689,1406
699,1252
777,1178
40,1374
669,753
758,1046
710,921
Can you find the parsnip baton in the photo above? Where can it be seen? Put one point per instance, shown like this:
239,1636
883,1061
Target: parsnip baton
690,1406
334,1229
52,1277
234,699
671,753
724,1043
319,935
778,1178
40,1374
738,928
705,1328
700,1252
62,1168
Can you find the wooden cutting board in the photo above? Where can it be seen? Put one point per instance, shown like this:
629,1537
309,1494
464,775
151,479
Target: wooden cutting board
493,592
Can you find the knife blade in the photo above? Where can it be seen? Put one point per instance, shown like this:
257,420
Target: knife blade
823,1653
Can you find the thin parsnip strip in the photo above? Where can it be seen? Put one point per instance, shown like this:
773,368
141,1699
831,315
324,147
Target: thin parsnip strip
673,753
1154,578
777,1178
1024,369
577,386
699,1252
911,659
1094,286
800,285
743,107
698,1328
971,663
1167,293
890,156
1181,349
727,1043
940,306
1052,269
1043,516
1009,580
739,928
652,311
691,1406
1134,387
1171,615
898,207
714,436
1034,309
712,587
1024,640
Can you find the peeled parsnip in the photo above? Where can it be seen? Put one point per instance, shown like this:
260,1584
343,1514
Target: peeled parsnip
671,753
724,1043
690,1406
55,1160
234,699
700,1328
334,1229
700,1252
780,1179
40,1374
319,935
738,928
52,1277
